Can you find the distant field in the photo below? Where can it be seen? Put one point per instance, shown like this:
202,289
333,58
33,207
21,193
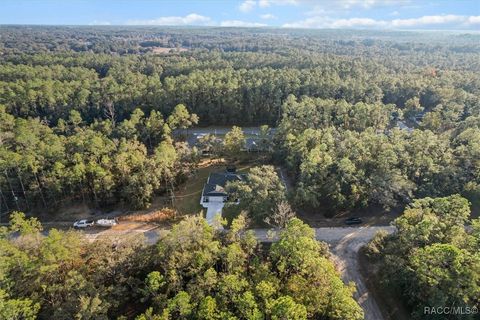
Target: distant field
160,50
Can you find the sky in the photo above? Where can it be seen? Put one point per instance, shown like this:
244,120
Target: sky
345,14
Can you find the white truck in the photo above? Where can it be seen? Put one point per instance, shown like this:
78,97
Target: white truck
106,222
84,223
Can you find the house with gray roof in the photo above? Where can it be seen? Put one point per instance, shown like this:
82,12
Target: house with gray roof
214,194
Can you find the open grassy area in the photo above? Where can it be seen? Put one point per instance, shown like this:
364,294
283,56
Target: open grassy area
187,197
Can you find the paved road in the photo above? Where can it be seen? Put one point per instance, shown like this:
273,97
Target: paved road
344,243
191,134
218,130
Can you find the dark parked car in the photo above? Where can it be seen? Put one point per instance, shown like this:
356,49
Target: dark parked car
351,221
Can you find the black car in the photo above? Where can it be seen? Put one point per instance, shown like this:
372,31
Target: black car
351,221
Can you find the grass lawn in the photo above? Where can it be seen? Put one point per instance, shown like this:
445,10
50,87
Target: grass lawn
187,197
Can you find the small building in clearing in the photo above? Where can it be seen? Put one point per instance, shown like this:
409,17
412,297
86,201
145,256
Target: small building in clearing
214,194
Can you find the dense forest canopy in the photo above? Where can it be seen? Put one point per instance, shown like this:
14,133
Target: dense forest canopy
361,118
432,259
194,272
227,76
335,95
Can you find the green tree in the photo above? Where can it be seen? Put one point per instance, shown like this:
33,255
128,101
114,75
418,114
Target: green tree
180,306
286,308
17,309
445,275
188,251
413,107
209,143
260,192
432,258
207,310
180,118
19,223
234,141
309,277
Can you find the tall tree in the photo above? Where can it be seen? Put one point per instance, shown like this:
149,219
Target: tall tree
234,141
260,192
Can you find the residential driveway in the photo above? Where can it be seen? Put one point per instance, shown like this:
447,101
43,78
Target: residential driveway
213,208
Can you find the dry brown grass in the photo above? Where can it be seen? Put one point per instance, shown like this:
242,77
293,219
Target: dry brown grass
207,162
155,216
125,226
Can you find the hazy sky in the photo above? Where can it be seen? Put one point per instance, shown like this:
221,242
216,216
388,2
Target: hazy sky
366,14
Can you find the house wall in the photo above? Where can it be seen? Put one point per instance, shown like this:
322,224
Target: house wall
215,199
210,200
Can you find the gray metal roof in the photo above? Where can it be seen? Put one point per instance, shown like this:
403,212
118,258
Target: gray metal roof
217,182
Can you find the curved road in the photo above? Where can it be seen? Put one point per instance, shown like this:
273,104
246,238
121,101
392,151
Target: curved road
344,243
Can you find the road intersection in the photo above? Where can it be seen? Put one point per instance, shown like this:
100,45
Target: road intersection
344,244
